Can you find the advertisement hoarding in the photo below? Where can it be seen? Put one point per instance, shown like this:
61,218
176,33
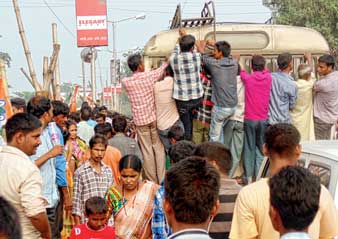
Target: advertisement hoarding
107,91
91,22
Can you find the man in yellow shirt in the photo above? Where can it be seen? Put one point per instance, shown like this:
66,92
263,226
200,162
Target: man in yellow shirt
251,213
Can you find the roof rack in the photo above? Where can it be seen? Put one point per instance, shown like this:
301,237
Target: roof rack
207,17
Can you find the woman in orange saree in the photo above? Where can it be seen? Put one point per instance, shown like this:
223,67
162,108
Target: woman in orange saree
130,203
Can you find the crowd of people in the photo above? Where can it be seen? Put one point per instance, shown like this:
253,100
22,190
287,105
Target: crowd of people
171,171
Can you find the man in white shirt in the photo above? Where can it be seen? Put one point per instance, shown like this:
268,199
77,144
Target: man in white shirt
21,182
84,130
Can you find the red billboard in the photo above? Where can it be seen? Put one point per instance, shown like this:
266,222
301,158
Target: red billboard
107,91
91,23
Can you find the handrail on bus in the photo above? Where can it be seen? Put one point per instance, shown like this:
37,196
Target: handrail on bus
208,17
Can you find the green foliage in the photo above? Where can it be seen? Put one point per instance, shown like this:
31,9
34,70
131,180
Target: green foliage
321,15
5,57
124,100
125,104
26,95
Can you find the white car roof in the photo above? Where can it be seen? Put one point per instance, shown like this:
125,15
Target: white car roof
327,148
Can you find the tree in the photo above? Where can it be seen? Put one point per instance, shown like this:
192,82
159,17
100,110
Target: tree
124,100
320,15
26,95
6,58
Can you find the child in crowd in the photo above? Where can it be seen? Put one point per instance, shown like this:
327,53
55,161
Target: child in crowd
95,210
175,134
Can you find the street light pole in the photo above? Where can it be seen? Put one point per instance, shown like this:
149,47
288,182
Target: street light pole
114,82
114,94
84,82
93,74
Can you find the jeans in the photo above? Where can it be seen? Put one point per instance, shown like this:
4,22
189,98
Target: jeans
233,140
254,131
153,152
53,219
322,130
219,117
186,110
164,135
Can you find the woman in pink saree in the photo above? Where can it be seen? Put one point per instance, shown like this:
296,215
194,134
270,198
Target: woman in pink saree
130,203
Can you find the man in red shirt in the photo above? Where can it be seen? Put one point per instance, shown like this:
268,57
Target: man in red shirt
96,227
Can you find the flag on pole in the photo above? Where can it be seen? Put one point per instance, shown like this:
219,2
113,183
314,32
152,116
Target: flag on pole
5,104
73,99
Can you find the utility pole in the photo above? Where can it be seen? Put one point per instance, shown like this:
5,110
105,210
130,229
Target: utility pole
273,5
84,82
56,79
32,73
114,93
93,73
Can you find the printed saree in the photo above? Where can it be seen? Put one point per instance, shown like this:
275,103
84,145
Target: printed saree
132,218
79,150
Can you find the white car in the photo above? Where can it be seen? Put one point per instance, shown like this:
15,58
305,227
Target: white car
321,158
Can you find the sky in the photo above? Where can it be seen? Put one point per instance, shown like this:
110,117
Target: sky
37,18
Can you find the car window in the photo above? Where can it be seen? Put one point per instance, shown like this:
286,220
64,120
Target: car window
301,163
321,170
266,170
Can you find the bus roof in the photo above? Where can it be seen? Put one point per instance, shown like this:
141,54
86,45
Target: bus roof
246,38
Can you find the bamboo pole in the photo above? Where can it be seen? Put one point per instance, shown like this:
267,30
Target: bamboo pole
32,73
56,84
52,88
27,76
51,67
45,71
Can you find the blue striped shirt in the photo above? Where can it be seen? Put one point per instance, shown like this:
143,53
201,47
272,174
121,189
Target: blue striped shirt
159,224
283,98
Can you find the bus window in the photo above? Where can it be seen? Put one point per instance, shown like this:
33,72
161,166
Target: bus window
271,64
296,62
247,65
154,62
315,64
250,40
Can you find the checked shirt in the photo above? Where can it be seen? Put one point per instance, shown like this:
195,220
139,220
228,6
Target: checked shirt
140,91
203,113
187,81
88,183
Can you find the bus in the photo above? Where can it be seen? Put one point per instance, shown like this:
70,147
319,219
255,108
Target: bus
245,39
